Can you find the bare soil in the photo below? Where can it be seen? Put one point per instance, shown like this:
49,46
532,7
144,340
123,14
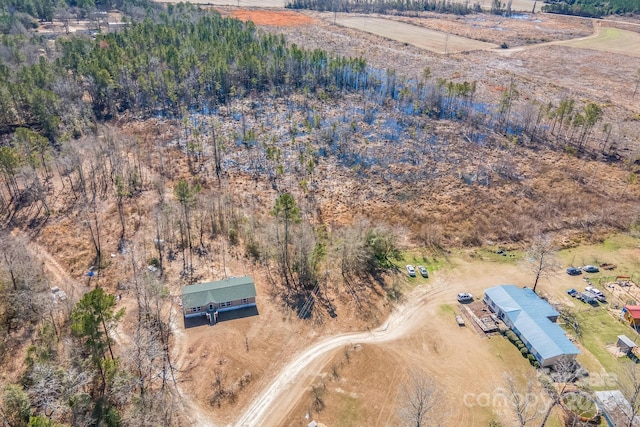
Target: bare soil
272,18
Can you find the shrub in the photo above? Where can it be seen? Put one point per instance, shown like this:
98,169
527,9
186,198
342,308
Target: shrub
252,249
511,336
233,236
524,352
531,358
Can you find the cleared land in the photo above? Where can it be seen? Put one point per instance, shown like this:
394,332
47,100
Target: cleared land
273,18
612,40
433,41
238,3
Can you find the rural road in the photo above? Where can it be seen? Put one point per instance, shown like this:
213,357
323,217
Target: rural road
269,407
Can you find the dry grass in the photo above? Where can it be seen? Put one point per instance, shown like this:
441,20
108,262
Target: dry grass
420,37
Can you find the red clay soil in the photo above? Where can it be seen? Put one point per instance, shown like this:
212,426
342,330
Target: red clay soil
273,18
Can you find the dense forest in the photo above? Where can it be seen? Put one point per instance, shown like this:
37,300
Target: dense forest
591,8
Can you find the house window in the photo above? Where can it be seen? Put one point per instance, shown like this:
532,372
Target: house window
210,306
225,304
245,300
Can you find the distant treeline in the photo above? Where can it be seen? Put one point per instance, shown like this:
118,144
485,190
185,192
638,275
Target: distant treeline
45,10
385,6
592,8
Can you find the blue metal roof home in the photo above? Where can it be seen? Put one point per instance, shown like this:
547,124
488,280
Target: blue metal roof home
533,320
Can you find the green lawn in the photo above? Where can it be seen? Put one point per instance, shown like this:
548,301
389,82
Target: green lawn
349,411
447,309
619,249
599,329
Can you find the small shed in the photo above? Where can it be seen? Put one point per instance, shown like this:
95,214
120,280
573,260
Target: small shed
631,314
625,343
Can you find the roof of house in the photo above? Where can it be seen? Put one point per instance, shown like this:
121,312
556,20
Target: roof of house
530,316
617,407
626,341
634,310
232,289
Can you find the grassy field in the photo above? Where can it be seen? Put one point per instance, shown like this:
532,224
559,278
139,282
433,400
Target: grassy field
599,329
434,41
611,40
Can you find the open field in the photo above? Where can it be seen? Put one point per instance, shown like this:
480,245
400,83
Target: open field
272,18
611,40
420,37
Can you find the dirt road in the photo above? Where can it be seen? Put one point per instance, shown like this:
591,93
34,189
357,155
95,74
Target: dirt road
286,388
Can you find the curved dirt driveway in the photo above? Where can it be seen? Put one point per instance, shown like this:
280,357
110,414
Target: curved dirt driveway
275,401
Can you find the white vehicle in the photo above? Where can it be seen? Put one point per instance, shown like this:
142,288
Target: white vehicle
465,297
595,292
411,270
423,271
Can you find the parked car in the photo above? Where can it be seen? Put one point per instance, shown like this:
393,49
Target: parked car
590,269
574,271
596,293
411,270
588,297
423,271
465,297
572,292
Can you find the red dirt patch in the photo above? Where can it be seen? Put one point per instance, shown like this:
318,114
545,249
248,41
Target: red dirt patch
273,18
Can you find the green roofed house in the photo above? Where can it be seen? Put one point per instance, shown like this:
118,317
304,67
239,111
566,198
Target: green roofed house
208,299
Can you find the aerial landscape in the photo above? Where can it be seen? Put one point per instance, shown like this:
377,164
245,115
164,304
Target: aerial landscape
319,213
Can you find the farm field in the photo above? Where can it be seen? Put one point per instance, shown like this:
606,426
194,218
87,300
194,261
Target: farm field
611,40
423,38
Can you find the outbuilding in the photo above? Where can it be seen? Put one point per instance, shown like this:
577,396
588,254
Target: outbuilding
208,299
625,344
631,314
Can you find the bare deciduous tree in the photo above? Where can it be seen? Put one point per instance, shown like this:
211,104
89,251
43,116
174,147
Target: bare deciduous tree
630,387
541,259
523,401
563,373
419,398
